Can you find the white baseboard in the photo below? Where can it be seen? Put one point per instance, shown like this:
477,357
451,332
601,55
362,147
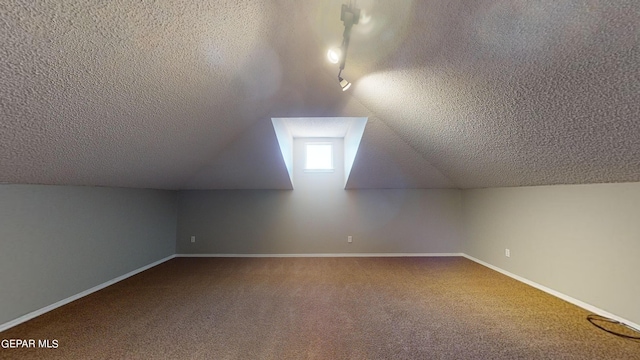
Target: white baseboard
323,255
557,294
62,302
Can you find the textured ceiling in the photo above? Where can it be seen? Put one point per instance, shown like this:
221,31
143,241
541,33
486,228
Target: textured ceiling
179,94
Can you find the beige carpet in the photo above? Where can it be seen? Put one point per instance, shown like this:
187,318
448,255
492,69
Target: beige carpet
319,308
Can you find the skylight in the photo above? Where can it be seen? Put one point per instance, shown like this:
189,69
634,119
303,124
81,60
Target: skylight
319,156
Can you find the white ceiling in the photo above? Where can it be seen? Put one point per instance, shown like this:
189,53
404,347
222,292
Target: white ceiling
179,94
318,127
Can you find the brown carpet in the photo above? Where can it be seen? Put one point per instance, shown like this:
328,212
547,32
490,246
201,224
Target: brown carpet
319,308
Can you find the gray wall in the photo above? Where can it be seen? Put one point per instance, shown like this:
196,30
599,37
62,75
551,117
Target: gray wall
283,222
57,241
317,216
580,240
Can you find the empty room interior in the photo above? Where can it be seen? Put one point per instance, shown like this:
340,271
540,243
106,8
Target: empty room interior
322,179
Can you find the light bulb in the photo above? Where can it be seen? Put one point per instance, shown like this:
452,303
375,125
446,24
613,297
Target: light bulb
334,55
344,84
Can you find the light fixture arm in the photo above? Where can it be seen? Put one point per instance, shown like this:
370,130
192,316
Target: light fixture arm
350,15
345,46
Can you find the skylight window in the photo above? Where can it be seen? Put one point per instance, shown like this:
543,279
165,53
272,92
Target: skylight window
319,156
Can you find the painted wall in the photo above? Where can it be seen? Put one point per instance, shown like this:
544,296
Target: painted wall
317,216
57,241
580,240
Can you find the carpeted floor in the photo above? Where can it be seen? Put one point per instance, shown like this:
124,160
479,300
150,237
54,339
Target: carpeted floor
319,308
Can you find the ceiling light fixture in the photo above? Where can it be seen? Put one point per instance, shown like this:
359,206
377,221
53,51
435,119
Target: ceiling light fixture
350,15
344,84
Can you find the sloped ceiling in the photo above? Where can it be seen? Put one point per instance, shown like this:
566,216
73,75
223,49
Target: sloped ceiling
179,94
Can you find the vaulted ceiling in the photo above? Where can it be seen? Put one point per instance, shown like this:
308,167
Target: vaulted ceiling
180,94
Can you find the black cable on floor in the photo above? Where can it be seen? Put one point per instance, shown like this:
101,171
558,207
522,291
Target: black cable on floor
592,318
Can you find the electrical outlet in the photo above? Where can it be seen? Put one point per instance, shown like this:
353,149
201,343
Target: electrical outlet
507,252
193,239
349,238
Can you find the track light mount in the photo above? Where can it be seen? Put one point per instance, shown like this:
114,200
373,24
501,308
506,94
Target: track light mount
349,15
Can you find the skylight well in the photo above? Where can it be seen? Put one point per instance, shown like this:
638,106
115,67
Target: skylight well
320,155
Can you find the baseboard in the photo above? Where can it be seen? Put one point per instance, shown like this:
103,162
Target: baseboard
62,302
555,293
323,255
